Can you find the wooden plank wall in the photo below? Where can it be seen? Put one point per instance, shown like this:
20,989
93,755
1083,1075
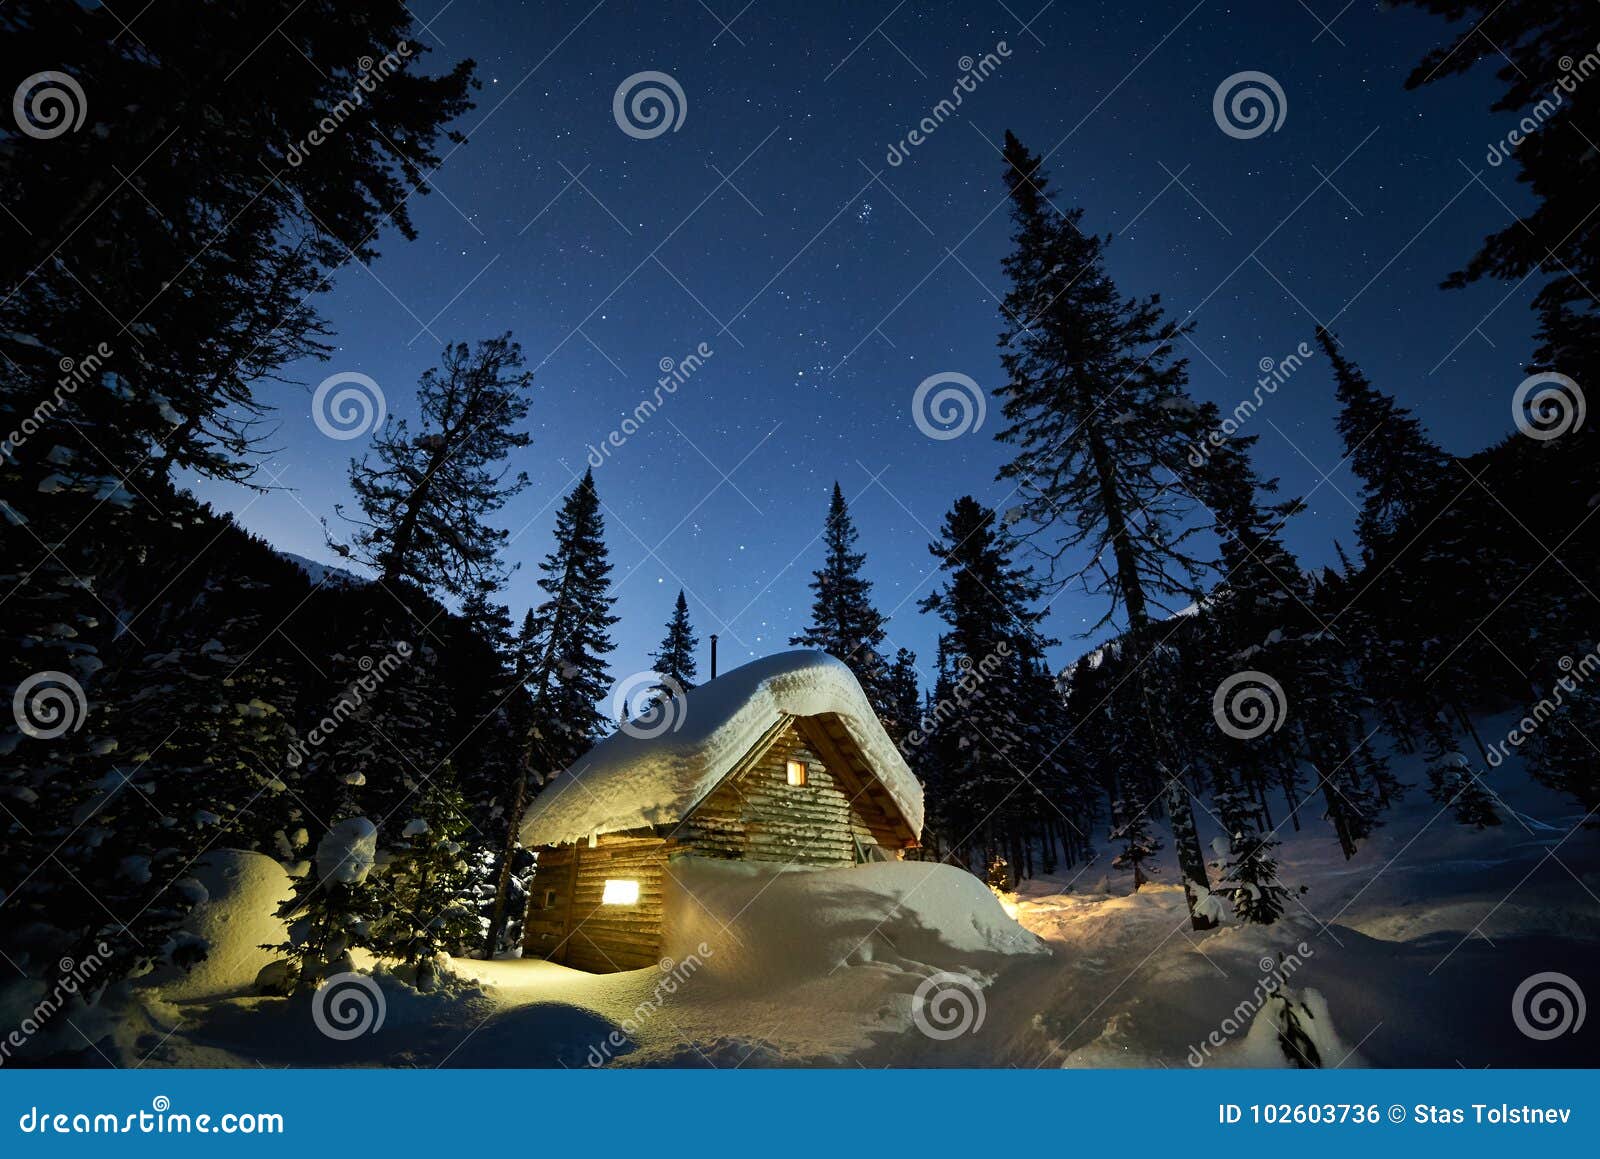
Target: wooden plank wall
571,926
759,816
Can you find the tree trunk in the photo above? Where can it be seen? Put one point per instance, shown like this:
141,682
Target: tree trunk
502,885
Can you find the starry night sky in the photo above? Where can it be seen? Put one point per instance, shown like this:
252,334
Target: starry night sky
828,283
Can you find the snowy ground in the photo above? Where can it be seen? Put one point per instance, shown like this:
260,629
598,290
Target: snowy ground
1409,955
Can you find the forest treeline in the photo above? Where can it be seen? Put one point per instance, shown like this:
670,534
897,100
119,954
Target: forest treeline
178,686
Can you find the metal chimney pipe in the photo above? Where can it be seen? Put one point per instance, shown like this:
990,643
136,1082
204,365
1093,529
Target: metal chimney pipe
713,656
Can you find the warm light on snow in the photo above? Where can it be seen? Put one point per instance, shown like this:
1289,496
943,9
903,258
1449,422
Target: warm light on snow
620,891
1008,901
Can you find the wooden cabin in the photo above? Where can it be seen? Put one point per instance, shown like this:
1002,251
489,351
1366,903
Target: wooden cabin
780,761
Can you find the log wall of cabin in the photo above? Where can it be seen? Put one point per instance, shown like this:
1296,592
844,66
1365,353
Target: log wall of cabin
759,816
567,921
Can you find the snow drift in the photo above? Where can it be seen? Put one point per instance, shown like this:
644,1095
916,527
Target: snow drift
238,915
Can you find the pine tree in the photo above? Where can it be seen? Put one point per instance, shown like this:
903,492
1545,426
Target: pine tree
1560,754
570,676
429,881
675,658
1528,46
905,701
1453,783
844,623
1246,868
563,649
426,498
998,759
1399,466
1098,412
210,271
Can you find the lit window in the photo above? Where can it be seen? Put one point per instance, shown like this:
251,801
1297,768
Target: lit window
620,891
797,772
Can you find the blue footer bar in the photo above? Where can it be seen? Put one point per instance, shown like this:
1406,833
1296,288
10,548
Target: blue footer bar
778,1113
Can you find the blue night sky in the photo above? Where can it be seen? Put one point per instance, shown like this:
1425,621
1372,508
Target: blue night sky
828,283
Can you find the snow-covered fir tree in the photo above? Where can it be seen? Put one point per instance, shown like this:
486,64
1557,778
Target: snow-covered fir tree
844,622
675,658
1098,415
424,498
562,652
999,764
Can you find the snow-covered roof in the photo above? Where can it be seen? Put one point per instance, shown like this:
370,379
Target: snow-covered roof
636,782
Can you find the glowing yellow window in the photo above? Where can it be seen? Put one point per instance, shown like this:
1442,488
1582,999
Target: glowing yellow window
620,891
797,772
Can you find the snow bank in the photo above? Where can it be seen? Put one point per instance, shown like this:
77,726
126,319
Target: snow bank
768,926
239,916
633,782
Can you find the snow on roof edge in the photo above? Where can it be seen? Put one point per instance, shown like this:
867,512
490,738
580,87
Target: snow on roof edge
633,782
